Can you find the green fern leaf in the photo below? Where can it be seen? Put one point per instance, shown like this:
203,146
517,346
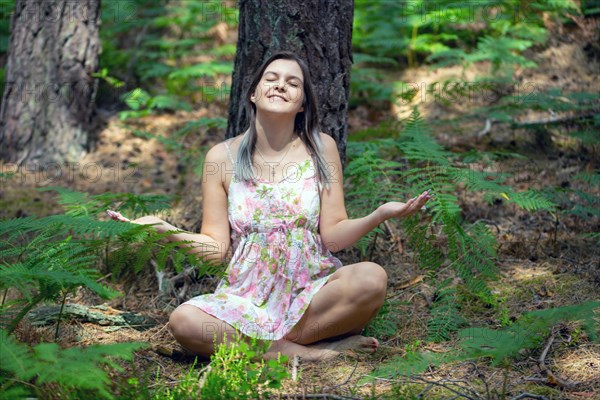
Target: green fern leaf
75,369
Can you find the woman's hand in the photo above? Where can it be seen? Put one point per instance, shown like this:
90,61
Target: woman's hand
197,243
117,216
396,209
145,220
148,219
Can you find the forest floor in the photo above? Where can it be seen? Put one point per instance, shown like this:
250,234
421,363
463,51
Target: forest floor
543,262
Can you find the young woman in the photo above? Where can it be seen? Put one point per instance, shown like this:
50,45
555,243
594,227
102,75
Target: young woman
275,193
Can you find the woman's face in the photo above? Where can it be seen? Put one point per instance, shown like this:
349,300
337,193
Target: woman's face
280,89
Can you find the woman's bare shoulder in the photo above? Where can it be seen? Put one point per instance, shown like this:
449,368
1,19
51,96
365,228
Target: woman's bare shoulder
326,138
218,153
329,143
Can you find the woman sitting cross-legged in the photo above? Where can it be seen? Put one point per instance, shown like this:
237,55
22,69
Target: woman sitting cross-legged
275,194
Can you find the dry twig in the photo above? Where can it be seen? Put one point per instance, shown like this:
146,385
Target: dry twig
295,365
452,385
529,396
551,378
347,379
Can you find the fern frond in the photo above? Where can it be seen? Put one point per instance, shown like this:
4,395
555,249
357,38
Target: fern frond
417,144
532,200
57,264
74,369
527,333
204,122
497,345
483,181
19,226
74,202
82,204
591,178
429,257
413,363
168,102
444,321
501,51
445,318
209,69
65,225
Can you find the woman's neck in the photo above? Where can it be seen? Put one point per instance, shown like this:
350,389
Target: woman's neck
273,134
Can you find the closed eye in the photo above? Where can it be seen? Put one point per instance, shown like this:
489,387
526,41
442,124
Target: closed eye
294,84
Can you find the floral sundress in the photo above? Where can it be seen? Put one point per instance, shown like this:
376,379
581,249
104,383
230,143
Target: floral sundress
279,261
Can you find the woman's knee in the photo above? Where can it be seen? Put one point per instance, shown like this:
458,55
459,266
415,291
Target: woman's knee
180,322
188,322
369,283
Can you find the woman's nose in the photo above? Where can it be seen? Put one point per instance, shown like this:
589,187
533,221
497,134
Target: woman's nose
279,86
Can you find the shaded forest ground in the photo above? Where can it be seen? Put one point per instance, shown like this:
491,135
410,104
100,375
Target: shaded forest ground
543,262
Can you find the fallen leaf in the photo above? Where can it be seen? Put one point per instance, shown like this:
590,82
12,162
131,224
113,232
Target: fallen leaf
410,282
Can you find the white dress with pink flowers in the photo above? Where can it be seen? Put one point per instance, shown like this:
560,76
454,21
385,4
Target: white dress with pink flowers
279,261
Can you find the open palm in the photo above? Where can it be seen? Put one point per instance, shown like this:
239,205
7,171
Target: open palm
397,209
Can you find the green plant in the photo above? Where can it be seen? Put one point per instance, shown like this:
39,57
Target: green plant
46,258
387,31
445,317
584,187
502,52
154,46
386,323
369,173
238,371
71,373
404,391
83,204
187,387
103,74
44,268
441,33
367,85
409,162
498,346
143,103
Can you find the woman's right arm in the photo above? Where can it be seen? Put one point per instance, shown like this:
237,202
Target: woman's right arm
213,241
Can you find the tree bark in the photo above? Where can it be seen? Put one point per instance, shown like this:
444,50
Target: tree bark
320,32
48,99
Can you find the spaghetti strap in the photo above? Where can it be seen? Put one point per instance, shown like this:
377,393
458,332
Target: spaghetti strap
229,151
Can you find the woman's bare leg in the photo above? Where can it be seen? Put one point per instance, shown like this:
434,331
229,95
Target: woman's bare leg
344,306
348,301
195,330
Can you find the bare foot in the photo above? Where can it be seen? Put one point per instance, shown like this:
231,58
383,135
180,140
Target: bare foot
307,353
356,342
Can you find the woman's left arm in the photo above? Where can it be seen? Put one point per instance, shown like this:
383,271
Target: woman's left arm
336,229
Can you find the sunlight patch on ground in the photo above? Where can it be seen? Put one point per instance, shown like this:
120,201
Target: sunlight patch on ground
525,273
581,364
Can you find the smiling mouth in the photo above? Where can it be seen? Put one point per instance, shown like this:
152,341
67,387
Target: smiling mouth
277,96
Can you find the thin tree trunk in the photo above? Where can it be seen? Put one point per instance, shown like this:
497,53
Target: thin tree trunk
48,100
320,32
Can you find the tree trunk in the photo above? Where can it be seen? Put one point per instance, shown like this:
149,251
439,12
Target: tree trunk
48,100
320,32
